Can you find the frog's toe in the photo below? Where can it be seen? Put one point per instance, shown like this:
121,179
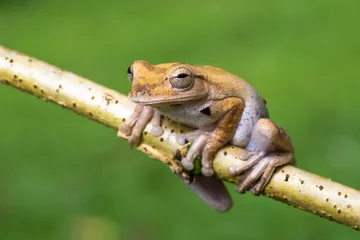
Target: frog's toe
157,131
125,129
181,139
193,136
134,140
208,172
239,169
188,165
194,151
245,155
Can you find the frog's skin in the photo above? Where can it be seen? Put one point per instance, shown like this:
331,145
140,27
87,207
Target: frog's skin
222,108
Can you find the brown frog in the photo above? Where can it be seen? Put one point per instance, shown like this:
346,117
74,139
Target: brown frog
222,108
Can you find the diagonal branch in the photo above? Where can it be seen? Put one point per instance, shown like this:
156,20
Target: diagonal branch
289,184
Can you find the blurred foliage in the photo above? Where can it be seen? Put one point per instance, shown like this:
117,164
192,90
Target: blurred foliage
64,177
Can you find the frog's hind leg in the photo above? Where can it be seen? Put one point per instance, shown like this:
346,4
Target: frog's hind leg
269,147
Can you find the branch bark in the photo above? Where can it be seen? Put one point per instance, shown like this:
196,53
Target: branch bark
289,184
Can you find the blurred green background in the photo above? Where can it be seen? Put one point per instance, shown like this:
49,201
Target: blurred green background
64,177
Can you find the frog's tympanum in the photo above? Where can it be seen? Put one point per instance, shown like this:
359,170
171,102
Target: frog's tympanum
223,109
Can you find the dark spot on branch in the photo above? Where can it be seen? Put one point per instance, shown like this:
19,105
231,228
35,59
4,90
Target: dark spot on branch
225,153
339,193
177,156
74,105
321,187
35,86
161,139
287,177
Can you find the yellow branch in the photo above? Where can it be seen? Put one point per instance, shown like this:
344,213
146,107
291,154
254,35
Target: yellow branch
289,184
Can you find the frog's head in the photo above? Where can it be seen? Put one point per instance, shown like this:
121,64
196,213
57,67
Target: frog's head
166,84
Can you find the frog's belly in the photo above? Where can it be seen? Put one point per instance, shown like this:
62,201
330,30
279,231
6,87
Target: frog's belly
194,121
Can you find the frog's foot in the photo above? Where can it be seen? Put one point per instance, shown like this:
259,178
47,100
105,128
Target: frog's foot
204,145
269,147
136,123
255,178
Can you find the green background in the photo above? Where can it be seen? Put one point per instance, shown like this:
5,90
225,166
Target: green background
64,177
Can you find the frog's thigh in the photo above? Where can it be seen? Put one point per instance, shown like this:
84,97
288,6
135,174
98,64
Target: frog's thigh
269,137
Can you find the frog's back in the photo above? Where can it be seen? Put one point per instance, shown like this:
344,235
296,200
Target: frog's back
225,85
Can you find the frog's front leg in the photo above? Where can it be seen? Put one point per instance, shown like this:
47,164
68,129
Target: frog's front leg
136,123
206,143
269,147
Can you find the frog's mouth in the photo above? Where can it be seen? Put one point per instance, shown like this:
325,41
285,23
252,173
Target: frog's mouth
165,101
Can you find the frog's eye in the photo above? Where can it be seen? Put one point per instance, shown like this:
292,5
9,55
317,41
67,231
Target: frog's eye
181,78
130,74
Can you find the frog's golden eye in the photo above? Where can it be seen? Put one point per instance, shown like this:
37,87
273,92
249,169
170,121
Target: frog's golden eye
181,78
130,74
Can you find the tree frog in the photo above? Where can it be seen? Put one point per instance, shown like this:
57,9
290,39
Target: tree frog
223,109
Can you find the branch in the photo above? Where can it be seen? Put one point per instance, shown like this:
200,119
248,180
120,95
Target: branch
289,184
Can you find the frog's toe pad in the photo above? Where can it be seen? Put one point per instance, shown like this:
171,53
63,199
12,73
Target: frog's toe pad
157,131
181,139
188,165
208,172
125,129
232,170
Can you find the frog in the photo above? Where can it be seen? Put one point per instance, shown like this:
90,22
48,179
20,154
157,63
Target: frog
222,108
